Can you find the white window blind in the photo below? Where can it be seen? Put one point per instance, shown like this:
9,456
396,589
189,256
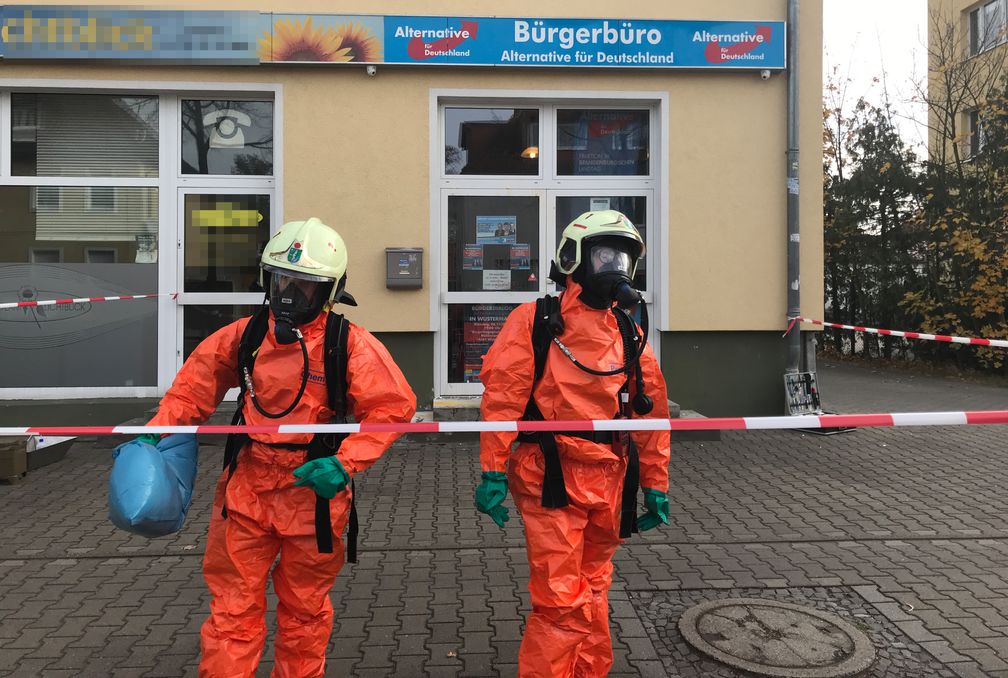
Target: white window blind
84,135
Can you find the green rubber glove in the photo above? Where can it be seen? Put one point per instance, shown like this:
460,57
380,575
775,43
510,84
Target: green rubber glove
149,438
325,475
490,496
656,503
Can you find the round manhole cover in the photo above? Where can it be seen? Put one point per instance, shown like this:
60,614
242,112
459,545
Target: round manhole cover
776,639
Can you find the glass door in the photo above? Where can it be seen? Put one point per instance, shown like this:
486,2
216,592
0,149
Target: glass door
494,260
565,206
221,237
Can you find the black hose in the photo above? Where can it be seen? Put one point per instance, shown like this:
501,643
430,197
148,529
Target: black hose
297,398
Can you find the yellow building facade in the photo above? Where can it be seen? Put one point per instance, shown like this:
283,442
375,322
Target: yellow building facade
448,145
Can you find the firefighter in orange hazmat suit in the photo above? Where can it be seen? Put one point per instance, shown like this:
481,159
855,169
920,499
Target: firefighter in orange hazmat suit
266,505
570,546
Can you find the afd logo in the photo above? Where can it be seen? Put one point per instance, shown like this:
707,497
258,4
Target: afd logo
722,47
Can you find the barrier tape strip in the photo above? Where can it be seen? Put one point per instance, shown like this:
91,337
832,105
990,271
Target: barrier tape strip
909,335
690,424
80,300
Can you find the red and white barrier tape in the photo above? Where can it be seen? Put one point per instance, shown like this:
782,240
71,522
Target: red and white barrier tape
909,335
80,300
691,424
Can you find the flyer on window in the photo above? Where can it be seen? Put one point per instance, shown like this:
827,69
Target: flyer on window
520,257
472,257
496,230
480,327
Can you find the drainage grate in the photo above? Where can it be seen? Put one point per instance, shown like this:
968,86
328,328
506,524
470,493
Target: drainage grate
896,655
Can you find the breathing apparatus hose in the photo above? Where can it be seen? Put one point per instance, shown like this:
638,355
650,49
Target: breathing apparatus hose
630,337
297,398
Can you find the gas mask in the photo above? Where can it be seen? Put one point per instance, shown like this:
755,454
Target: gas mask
606,273
295,301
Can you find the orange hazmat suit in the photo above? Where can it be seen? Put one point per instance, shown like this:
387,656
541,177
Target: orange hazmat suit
569,549
267,515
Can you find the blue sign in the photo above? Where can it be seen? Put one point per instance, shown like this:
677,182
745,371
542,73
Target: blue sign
246,37
624,43
218,37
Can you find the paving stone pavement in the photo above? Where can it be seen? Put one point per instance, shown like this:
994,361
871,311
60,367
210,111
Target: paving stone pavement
903,531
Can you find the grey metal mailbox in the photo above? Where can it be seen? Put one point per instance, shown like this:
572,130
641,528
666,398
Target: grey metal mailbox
404,267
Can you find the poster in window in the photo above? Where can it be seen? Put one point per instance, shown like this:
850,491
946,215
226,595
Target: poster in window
520,255
480,327
602,142
472,257
494,279
497,230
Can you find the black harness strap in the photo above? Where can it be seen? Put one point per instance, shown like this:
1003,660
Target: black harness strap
554,493
546,324
321,445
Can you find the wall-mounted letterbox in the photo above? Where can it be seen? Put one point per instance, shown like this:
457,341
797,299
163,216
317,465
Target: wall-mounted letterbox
404,267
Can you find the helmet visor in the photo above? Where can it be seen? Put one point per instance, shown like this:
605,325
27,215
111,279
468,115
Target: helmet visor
605,258
295,298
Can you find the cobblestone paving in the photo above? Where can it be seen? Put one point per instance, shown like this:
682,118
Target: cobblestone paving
906,526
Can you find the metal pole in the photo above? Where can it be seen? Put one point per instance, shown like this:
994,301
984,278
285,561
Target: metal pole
793,238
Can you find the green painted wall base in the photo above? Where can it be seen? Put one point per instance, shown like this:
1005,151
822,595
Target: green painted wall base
725,374
414,353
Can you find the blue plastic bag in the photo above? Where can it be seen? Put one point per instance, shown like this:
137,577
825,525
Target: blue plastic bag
150,487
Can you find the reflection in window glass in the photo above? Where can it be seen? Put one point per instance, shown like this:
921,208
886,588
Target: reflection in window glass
471,330
95,135
492,141
602,142
67,252
199,322
224,238
634,207
227,137
493,243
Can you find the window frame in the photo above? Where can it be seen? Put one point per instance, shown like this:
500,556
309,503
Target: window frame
980,39
91,251
168,182
548,101
89,204
35,251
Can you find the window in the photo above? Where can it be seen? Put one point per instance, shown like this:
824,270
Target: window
45,198
224,238
99,255
601,142
39,255
101,199
227,137
512,178
95,135
977,138
986,26
491,141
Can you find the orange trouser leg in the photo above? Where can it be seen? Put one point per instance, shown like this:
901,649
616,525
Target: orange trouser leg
303,579
569,556
239,553
601,537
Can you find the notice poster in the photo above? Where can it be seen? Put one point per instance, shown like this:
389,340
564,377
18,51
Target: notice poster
472,257
496,280
520,257
496,230
480,327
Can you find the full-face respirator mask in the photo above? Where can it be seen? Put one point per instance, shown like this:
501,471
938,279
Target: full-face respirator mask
295,299
606,272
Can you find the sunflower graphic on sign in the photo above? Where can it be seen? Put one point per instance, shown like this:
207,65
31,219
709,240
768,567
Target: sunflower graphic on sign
321,38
